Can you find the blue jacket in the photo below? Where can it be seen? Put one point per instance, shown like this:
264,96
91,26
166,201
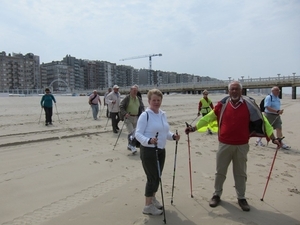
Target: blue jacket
46,100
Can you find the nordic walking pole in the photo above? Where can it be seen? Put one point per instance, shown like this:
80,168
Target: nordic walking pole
159,175
190,164
40,115
193,120
278,147
57,112
101,111
88,112
174,169
119,133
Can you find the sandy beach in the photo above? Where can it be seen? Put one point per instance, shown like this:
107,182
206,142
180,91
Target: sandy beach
72,174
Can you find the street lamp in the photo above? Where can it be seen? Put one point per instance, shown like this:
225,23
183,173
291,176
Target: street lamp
229,78
242,78
278,75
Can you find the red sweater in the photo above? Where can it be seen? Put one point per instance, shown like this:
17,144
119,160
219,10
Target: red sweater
234,127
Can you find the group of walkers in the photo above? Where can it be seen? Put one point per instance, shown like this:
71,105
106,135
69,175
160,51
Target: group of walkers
236,118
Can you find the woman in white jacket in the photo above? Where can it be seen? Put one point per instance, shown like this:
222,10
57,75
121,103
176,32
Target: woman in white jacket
152,132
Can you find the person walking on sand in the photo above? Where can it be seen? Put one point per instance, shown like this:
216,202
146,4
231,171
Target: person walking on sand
273,112
205,106
106,93
93,101
131,108
239,118
113,101
46,103
152,132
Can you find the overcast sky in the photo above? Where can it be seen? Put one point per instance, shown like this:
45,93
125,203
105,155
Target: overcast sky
216,38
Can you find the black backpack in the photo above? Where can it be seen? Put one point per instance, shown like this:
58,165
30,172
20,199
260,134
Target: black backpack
262,104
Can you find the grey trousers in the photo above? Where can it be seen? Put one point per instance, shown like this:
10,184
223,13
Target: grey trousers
238,155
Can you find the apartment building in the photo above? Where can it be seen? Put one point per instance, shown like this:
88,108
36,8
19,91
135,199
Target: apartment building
58,76
19,72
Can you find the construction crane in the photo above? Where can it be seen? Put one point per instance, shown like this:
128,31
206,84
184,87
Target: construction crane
150,62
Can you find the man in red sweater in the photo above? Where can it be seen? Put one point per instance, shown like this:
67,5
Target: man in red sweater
239,118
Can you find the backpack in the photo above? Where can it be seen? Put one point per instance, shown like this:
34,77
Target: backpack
262,104
131,137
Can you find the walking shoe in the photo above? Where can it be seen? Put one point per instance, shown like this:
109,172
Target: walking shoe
152,210
244,204
46,124
133,149
214,201
115,131
50,124
129,147
259,143
284,146
156,203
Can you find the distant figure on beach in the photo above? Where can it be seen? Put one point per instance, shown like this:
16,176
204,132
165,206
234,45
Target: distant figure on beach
105,104
113,101
205,106
131,108
239,118
94,99
273,111
46,103
152,132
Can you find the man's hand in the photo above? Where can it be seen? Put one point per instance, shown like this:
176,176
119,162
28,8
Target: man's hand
278,141
189,129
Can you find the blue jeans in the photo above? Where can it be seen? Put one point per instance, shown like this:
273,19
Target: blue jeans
95,110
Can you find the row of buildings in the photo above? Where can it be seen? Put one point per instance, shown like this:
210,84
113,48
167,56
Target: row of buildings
25,74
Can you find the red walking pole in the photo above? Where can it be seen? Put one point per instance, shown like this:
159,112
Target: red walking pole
278,147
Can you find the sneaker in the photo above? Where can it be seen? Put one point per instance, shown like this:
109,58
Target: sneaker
46,124
244,204
156,203
133,150
50,124
215,200
152,210
129,147
284,146
115,131
259,143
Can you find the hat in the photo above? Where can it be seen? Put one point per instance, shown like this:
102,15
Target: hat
115,86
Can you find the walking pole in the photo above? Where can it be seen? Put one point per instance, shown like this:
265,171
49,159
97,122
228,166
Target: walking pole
57,112
193,120
174,169
278,147
119,133
40,115
88,112
101,111
159,175
190,164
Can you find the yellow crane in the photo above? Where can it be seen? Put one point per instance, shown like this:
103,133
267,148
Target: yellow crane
150,62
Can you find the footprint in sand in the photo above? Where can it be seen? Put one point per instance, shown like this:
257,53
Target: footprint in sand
261,165
290,165
286,174
294,190
109,160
